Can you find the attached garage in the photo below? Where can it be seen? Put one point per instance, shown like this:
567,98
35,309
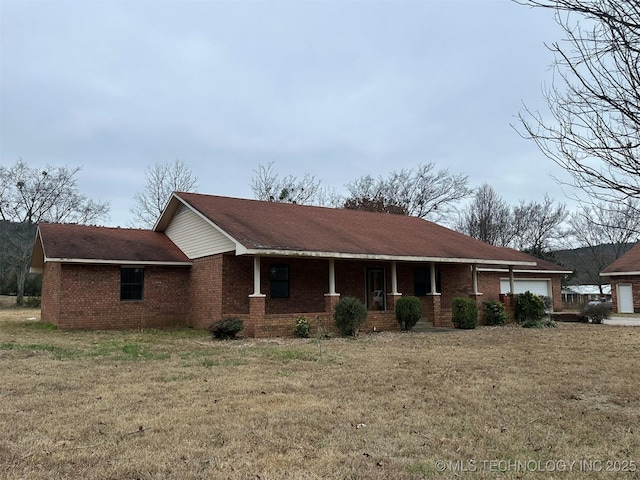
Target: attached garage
540,286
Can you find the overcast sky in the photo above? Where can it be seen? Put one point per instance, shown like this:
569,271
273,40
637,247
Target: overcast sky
338,89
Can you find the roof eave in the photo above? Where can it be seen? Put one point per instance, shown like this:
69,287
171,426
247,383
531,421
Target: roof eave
559,272
618,274
371,256
97,261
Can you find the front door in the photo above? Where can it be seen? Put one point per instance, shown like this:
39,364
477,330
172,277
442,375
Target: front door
376,295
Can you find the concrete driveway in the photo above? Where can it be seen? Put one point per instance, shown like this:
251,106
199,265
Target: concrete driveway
623,321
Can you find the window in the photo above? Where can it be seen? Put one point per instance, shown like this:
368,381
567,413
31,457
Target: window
131,283
279,278
422,281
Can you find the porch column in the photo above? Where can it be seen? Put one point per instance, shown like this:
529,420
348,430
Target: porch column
332,297
432,274
257,305
475,295
512,281
474,279
394,279
332,276
393,297
256,277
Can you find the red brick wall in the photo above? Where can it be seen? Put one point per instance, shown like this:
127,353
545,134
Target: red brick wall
205,295
238,284
282,324
89,297
50,300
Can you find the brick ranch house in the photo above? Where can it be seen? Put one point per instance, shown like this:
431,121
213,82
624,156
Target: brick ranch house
624,275
210,257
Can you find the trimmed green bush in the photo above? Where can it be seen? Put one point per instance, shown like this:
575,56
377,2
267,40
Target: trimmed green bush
494,313
408,312
302,328
226,328
464,313
529,308
349,314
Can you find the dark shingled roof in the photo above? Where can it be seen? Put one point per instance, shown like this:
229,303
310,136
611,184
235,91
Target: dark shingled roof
82,242
273,226
628,263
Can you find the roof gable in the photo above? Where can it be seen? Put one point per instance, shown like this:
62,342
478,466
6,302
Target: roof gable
627,264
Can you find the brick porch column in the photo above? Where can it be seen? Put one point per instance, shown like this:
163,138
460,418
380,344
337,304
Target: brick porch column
330,301
257,309
434,311
509,301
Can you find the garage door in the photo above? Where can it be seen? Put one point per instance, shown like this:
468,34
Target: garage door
625,299
539,287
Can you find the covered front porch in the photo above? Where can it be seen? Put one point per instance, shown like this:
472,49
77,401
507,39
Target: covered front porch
285,288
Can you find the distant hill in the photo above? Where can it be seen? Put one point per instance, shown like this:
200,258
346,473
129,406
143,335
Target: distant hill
585,265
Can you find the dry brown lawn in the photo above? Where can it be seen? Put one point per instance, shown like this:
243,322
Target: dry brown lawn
496,402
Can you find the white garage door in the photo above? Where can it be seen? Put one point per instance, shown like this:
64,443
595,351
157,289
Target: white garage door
539,287
625,299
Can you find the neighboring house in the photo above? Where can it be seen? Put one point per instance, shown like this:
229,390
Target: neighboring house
210,257
576,296
624,275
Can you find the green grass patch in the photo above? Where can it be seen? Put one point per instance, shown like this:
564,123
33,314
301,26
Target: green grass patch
39,326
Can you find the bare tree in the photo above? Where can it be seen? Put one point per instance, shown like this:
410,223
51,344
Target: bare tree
29,196
488,218
606,231
162,179
268,186
594,101
539,226
420,192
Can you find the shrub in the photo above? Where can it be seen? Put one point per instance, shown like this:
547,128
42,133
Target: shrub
302,327
529,308
495,313
596,312
349,314
32,302
547,322
408,312
464,313
226,328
